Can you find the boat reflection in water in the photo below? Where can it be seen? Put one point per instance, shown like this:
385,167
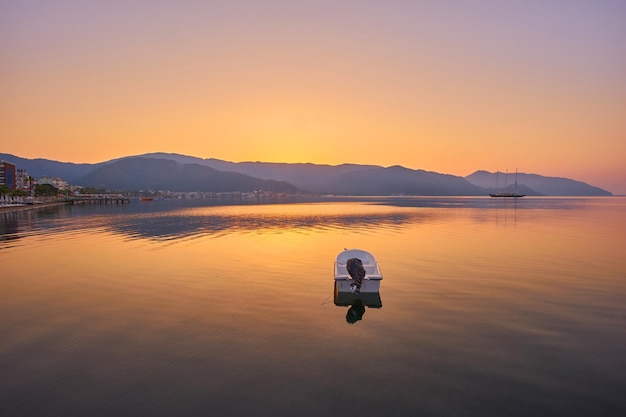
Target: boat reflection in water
357,303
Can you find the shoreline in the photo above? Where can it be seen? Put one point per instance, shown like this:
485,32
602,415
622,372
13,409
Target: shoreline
32,206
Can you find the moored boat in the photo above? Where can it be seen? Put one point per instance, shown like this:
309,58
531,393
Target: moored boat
357,271
514,193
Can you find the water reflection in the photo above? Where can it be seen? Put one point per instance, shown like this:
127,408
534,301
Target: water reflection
9,225
171,220
502,323
180,221
164,227
216,221
356,303
355,312
15,224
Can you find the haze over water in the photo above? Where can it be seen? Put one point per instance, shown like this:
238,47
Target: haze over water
489,307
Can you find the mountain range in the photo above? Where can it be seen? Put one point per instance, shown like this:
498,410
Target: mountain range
175,172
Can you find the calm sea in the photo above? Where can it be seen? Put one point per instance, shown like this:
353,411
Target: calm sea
223,308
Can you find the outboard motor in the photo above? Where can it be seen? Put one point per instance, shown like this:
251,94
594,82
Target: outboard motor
357,272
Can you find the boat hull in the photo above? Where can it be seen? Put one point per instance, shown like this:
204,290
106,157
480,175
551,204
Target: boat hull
368,299
507,195
368,285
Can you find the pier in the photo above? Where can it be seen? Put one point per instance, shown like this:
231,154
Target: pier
98,199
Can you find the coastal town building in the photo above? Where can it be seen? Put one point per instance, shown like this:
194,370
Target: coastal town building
55,181
7,175
23,181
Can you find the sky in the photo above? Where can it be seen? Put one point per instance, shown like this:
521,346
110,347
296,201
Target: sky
444,86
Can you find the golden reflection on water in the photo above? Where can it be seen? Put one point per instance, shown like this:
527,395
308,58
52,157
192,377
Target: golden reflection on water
223,297
280,249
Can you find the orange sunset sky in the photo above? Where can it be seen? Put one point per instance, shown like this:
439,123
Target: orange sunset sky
445,86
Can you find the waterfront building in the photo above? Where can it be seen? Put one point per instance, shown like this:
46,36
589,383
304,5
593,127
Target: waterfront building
23,181
7,174
57,182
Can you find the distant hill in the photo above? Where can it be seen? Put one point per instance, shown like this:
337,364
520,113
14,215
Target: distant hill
175,172
38,168
348,179
163,174
313,178
400,181
532,184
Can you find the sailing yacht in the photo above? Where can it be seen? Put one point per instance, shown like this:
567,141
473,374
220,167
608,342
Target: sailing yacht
513,193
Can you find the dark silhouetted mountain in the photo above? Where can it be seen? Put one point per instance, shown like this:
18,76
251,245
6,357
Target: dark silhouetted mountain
312,178
533,184
349,179
399,181
38,168
162,174
177,172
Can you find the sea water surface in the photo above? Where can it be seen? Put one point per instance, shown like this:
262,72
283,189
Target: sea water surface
490,307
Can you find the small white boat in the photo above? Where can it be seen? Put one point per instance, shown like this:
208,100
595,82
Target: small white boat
344,282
